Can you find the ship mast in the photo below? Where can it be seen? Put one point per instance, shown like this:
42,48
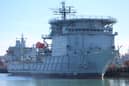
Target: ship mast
64,11
22,41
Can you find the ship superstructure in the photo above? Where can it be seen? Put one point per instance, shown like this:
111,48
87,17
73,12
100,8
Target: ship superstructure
80,47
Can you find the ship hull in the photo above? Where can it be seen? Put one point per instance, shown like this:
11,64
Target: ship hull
66,68
56,75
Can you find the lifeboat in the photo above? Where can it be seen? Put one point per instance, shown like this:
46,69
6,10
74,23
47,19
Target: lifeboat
40,45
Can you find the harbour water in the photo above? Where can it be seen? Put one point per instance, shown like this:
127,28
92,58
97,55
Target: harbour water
6,80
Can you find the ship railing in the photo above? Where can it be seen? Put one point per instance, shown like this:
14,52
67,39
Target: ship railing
46,36
109,18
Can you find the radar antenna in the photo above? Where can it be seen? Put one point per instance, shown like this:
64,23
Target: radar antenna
64,11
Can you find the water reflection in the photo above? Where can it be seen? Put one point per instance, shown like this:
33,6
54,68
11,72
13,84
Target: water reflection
119,82
56,82
69,82
84,82
29,81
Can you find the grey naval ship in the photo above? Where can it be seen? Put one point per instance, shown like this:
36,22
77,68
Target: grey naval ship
81,47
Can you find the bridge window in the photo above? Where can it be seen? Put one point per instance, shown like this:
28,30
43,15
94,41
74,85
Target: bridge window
85,30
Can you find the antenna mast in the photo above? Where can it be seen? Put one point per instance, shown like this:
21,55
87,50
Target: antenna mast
64,11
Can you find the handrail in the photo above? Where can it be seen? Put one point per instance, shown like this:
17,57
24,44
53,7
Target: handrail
87,17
